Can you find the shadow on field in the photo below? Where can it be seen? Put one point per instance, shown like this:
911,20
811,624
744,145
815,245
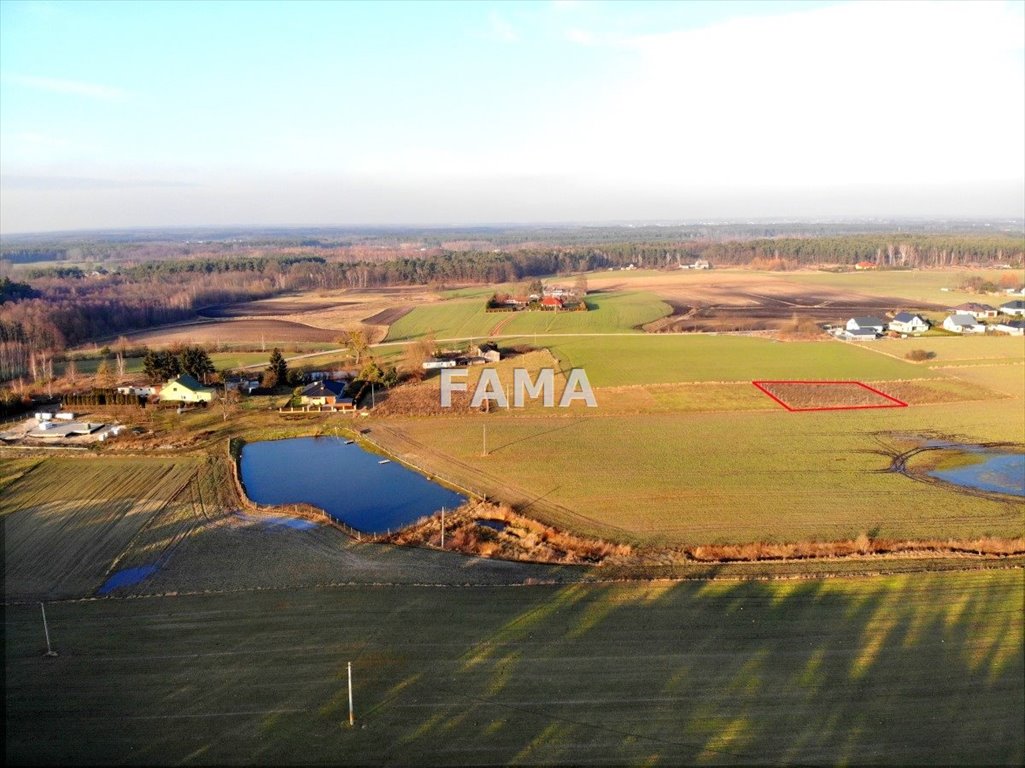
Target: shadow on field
910,669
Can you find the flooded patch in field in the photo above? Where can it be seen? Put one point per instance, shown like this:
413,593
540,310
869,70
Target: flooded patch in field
127,577
497,525
347,482
267,521
984,471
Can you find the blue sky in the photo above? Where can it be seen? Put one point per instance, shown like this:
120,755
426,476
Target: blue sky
152,114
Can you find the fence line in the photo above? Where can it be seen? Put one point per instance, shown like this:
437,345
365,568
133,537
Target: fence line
429,474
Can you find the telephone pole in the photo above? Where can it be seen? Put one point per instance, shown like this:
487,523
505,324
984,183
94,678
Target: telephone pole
46,631
352,718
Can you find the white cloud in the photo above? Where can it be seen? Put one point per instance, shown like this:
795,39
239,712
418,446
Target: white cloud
72,87
862,93
502,29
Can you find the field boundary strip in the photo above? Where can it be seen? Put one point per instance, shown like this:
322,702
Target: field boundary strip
764,386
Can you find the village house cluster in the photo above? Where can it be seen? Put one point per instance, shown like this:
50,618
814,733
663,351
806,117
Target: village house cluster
967,318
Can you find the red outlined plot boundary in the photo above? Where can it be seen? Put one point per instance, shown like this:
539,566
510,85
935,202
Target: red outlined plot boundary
892,402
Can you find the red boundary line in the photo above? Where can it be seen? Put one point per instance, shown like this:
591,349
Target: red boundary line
894,402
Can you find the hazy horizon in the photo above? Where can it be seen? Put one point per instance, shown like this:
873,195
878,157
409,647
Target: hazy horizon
164,115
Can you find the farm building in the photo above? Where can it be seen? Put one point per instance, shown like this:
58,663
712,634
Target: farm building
1013,327
866,323
976,310
240,384
860,334
185,389
905,322
137,391
963,324
489,351
551,302
862,265
322,394
1014,308
436,363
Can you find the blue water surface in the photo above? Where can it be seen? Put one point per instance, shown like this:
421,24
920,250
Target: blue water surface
344,480
127,577
998,472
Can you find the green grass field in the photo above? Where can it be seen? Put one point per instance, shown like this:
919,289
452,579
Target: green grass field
620,312
730,476
658,359
914,669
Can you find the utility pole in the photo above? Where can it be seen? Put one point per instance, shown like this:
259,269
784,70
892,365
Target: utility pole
46,631
352,718
442,527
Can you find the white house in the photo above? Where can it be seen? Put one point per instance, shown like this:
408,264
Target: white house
963,324
976,310
866,324
1013,327
435,363
185,389
905,322
1014,308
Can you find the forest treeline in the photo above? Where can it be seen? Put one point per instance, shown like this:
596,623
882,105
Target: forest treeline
66,306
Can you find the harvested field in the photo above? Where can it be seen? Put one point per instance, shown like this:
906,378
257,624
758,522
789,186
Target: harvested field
912,669
388,316
268,308
68,522
826,395
268,332
741,300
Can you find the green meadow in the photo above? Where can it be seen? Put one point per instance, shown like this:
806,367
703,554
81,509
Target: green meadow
619,312
728,476
657,359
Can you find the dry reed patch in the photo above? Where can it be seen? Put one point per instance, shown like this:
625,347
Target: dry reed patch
489,530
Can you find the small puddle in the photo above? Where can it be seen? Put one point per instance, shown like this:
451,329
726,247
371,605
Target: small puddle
127,577
498,525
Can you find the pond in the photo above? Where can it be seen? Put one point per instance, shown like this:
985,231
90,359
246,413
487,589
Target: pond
350,484
995,472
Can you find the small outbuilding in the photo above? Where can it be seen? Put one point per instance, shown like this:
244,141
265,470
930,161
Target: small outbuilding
866,324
